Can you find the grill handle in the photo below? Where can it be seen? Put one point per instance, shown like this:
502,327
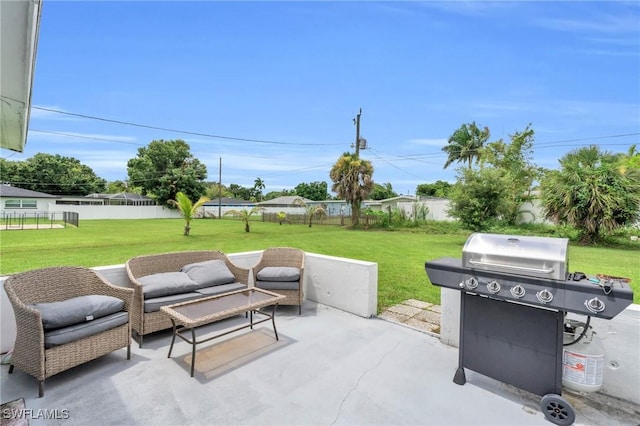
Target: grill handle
519,268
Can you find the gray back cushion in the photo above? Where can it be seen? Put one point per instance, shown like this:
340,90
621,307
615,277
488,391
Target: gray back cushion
166,283
209,273
77,310
279,273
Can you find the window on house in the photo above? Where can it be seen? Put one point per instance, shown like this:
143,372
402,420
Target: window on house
21,204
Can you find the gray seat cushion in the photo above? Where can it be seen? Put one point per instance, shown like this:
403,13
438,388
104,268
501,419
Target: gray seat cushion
209,273
72,333
219,289
152,305
77,310
166,283
278,285
278,273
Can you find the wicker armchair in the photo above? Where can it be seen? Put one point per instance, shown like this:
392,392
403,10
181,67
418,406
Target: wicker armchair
53,285
149,322
287,257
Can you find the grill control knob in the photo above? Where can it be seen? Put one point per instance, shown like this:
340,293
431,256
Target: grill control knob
471,283
518,291
594,305
493,287
544,296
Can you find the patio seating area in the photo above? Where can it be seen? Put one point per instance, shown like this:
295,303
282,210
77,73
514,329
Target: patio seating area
329,367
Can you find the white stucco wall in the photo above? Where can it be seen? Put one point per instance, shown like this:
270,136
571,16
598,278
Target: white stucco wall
530,212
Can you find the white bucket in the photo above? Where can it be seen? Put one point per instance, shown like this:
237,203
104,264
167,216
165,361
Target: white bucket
583,363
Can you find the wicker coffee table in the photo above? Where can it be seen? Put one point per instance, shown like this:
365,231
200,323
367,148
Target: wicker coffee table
188,316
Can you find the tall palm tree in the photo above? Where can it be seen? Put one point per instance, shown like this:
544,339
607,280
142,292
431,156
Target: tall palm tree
353,181
259,185
187,208
244,215
319,210
465,143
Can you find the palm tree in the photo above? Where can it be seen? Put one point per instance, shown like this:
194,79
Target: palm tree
187,208
465,143
282,217
591,193
353,181
244,215
319,210
258,185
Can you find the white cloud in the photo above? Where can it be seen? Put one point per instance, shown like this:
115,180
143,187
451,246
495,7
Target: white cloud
602,24
73,137
471,8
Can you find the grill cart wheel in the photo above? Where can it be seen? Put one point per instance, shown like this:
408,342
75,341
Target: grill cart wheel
557,409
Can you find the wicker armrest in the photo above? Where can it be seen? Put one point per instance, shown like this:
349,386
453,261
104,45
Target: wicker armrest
241,274
29,328
101,286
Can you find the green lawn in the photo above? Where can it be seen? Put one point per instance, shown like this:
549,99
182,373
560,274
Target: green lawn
400,254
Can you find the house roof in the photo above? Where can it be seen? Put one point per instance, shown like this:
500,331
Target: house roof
120,196
227,201
284,201
12,191
399,198
20,25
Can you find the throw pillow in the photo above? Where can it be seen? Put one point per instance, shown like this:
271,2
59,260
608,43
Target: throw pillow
209,273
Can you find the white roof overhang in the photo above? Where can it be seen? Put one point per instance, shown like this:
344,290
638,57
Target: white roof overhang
19,27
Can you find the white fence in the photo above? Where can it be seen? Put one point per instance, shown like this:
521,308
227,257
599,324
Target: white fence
118,212
530,212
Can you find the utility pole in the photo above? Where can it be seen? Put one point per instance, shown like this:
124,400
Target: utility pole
357,122
220,190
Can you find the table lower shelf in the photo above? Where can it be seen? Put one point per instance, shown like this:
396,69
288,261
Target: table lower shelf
180,330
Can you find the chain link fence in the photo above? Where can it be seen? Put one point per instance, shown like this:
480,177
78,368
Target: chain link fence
38,220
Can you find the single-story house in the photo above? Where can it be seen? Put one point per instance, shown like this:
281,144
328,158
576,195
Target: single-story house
119,199
219,206
13,199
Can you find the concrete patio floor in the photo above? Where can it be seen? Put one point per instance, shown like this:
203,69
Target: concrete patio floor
329,367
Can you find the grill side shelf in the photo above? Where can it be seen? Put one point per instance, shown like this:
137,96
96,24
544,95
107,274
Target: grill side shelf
568,295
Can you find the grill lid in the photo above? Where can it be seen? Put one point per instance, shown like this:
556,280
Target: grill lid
541,257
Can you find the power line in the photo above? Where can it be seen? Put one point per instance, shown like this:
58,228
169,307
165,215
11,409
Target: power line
589,139
84,137
393,165
186,132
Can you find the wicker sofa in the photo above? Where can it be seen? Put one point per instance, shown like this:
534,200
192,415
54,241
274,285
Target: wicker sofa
66,316
167,278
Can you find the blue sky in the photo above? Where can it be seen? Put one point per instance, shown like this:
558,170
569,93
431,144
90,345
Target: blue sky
296,73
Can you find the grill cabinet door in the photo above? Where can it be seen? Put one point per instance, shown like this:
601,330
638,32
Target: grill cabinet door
514,343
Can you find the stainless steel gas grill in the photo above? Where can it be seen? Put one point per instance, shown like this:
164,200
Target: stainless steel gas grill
515,293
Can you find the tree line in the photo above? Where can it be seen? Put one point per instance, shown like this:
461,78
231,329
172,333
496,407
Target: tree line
160,170
594,191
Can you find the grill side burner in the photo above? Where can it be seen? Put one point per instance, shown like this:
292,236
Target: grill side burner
515,293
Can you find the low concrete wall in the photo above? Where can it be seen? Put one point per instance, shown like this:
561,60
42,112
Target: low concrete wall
346,284
620,338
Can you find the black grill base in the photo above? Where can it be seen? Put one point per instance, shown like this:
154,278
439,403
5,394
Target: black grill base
510,342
